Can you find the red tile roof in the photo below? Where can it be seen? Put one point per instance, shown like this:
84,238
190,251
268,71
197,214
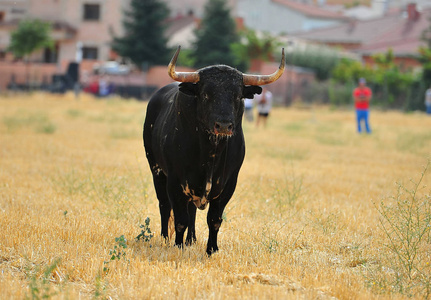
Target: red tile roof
377,35
353,32
310,10
403,39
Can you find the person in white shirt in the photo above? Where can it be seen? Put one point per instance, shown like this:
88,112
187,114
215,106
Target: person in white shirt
264,105
248,106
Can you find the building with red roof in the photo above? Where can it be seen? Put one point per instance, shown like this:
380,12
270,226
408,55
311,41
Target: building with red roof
399,31
286,16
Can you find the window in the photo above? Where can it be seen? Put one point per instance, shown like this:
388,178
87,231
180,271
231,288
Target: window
91,12
89,53
50,55
17,11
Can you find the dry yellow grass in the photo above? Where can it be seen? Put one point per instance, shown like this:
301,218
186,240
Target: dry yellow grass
302,223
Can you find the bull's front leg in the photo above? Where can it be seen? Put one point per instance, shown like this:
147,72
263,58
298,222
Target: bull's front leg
215,213
214,220
191,232
179,203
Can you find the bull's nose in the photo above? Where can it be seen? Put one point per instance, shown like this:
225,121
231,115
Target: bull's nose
223,128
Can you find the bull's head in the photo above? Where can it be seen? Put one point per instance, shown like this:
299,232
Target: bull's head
219,91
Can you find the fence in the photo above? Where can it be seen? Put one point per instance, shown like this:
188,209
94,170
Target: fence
329,92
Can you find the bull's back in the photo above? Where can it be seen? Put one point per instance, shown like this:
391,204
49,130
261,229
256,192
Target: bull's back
159,102
157,108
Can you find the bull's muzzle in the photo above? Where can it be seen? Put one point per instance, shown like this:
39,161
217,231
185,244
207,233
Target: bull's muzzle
223,128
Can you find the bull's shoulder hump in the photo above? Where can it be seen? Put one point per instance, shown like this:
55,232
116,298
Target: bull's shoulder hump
164,94
168,90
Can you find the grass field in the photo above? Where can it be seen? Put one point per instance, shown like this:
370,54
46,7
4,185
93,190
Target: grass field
320,212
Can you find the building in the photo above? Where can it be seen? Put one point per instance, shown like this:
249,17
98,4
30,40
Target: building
87,25
399,31
193,7
286,16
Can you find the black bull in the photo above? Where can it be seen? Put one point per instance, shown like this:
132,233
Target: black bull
194,144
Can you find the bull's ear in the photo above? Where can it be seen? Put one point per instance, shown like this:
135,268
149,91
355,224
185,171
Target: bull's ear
188,88
250,90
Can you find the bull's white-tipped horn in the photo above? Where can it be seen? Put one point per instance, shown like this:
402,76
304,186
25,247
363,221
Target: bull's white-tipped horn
265,79
181,76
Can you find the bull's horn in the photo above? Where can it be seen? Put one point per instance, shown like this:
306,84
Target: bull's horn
181,76
265,79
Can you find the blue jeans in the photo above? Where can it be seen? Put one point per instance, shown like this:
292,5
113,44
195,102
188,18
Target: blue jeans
428,109
362,114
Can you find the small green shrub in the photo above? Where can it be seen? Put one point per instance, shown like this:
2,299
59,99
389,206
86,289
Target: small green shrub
74,113
288,192
271,238
146,235
406,223
46,127
117,253
39,288
39,121
324,221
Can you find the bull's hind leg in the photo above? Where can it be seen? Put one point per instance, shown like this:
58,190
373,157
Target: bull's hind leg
191,233
164,205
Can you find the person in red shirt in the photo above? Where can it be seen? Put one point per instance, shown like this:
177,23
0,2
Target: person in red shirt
362,96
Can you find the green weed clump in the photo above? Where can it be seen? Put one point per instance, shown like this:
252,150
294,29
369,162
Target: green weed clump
38,121
118,191
117,253
406,224
288,192
40,287
146,235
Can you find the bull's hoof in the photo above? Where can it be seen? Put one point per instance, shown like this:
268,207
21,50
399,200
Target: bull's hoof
190,241
211,250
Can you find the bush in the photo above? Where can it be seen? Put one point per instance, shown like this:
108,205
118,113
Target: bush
321,59
348,70
340,94
406,224
315,92
391,87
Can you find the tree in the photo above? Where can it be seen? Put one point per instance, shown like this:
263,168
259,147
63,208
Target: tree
426,35
261,47
144,41
30,36
215,36
425,55
425,59
256,48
